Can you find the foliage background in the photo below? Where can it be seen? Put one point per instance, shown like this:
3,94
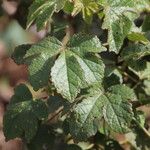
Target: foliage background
12,33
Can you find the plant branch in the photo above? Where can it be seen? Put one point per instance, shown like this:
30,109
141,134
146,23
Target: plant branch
69,33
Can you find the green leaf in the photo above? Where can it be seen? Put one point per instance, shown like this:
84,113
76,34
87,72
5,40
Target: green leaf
22,116
84,120
84,43
67,76
124,91
19,53
92,67
119,16
142,73
135,51
117,112
76,67
22,93
138,37
42,10
88,8
114,78
40,58
133,56
68,8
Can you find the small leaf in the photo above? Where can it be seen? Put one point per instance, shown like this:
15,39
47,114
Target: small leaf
88,8
137,37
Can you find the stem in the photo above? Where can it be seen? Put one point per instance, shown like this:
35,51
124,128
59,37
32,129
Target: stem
55,114
126,74
69,33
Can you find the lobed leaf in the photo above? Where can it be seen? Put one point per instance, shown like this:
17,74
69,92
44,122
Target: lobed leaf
116,110
87,7
75,68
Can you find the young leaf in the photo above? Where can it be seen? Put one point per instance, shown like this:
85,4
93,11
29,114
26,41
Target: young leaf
88,8
22,116
41,10
138,37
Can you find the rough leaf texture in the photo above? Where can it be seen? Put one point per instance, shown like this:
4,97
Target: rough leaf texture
76,67
136,51
119,15
117,112
21,118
